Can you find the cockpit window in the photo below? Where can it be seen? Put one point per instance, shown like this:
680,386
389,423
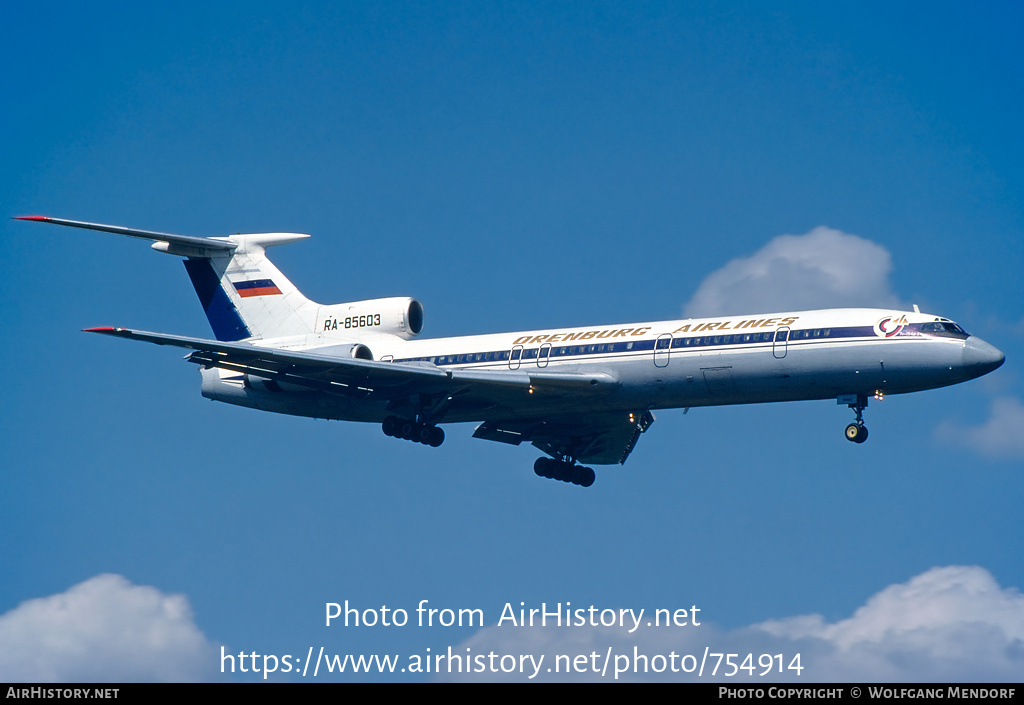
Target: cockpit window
943,328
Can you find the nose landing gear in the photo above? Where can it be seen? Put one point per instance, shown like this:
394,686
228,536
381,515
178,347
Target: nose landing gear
856,432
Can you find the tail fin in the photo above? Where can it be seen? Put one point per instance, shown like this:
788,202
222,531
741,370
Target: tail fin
246,296
243,294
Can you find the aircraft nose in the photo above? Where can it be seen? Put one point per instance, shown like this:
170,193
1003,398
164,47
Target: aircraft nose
980,358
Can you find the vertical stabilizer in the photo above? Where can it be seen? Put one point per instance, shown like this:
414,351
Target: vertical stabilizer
245,296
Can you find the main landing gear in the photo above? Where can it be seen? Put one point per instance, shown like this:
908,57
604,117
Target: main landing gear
426,434
856,432
564,470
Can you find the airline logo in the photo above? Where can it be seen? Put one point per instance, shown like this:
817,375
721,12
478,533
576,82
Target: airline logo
890,326
256,287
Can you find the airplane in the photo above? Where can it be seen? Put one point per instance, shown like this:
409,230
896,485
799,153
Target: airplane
579,394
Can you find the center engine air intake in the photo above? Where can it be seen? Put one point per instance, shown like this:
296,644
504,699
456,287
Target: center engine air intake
399,316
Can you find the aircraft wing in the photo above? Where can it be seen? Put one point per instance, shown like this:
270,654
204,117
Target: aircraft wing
388,381
549,402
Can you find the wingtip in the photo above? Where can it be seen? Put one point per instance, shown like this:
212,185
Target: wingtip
101,329
43,218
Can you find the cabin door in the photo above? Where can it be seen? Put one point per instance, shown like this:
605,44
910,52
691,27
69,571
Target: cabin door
779,348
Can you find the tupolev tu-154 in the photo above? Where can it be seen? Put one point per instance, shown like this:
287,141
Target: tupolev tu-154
580,395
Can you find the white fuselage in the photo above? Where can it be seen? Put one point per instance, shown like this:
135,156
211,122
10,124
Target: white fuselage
670,364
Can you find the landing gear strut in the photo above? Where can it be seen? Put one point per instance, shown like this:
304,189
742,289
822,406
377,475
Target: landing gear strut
856,432
426,434
564,470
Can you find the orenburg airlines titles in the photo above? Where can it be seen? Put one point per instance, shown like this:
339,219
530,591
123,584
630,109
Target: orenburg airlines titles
747,323
645,330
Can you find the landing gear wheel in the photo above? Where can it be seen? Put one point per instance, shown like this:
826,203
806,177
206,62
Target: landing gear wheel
436,437
584,477
565,471
540,467
858,433
409,430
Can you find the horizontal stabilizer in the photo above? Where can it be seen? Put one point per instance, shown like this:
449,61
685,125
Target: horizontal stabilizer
191,244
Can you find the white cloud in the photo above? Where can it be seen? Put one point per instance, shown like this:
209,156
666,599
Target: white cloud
1002,436
948,624
953,623
825,268
104,629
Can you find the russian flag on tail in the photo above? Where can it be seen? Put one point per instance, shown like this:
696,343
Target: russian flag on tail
256,287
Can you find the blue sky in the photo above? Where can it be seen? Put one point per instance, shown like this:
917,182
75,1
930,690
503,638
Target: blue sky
512,166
